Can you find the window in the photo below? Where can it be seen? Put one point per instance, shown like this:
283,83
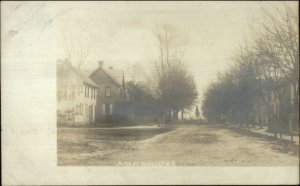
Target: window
73,91
66,93
107,109
76,109
84,91
88,94
107,91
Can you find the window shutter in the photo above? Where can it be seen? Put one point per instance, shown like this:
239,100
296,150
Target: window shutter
103,109
111,108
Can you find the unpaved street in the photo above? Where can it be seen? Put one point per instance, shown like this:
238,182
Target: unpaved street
190,145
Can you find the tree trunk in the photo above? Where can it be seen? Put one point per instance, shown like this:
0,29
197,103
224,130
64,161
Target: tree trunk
291,128
175,114
280,135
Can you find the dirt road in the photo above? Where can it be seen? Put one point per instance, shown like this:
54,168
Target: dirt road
191,145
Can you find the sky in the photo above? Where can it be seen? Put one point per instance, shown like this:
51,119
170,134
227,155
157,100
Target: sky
121,33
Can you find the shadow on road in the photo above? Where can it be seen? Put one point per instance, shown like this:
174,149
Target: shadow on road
283,146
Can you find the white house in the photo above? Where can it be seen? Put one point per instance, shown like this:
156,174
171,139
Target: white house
76,95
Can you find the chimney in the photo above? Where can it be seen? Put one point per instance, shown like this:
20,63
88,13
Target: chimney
110,67
100,63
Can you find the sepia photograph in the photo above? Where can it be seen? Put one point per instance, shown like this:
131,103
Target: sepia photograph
139,84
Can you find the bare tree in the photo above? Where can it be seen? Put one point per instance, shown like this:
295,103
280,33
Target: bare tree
82,51
176,89
277,50
68,46
261,73
76,47
135,72
171,48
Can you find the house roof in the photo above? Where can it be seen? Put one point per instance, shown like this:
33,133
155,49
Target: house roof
82,75
115,75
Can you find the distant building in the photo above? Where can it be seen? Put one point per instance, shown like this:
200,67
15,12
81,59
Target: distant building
111,89
76,95
139,104
283,106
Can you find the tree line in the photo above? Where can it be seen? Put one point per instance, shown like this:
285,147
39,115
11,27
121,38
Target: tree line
170,84
262,86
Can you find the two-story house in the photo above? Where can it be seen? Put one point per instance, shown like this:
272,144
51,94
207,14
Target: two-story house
76,95
278,102
110,91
